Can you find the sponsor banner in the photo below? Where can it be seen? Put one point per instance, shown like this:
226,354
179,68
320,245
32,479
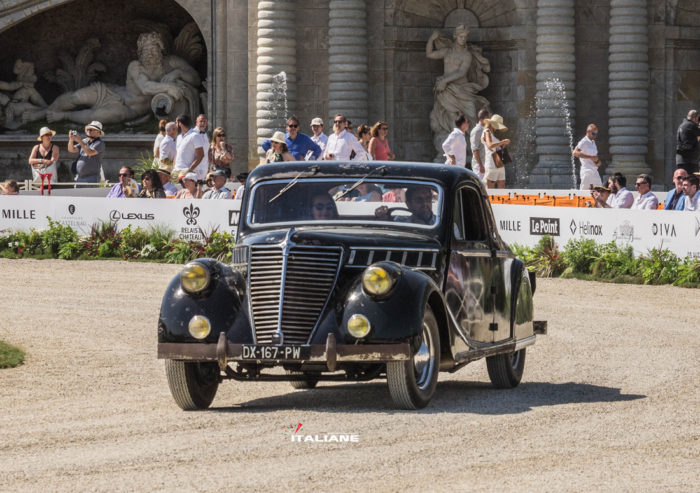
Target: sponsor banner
187,218
676,231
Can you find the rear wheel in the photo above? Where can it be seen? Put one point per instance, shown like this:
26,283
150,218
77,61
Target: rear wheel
192,385
506,370
302,383
412,382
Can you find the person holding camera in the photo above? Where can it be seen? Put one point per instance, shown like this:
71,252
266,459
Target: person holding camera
88,167
191,187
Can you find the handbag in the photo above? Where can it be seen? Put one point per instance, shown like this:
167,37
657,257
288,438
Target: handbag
505,156
497,160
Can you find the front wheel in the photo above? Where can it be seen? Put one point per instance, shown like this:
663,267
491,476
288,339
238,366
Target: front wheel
412,382
192,385
506,370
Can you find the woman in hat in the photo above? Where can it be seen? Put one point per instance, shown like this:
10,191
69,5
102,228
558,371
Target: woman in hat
495,177
191,189
152,188
278,149
44,155
220,153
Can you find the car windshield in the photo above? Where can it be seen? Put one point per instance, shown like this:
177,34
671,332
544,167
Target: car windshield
412,203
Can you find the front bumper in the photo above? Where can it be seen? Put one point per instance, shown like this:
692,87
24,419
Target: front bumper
331,354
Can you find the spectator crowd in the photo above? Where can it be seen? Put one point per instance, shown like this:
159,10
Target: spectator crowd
187,164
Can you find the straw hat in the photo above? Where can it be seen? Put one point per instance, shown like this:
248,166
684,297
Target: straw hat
96,125
496,122
278,137
165,168
44,131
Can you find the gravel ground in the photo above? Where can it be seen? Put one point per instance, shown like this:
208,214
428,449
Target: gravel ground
609,401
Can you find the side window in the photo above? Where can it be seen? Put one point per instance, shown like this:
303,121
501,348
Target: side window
472,213
458,220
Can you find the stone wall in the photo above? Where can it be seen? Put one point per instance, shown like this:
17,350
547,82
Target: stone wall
400,77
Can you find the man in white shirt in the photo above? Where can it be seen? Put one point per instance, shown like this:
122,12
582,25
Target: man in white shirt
341,143
455,145
692,194
587,152
219,190
620,198
478,148
190,152
168,146
318,136
646,199
202,124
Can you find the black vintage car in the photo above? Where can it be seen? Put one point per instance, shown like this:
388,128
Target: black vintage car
349,271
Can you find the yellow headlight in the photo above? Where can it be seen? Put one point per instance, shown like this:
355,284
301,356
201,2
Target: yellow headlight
194,277
199,327
377,280
358,326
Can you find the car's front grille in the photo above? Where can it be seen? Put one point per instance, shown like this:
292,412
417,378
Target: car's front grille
307,280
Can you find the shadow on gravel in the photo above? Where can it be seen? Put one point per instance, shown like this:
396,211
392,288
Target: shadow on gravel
456,397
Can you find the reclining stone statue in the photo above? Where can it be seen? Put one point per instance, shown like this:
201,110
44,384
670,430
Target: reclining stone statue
164,83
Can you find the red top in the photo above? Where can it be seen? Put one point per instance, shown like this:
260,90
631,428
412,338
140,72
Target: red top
381,149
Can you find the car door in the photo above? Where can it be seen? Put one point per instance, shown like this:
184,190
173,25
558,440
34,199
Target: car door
468,287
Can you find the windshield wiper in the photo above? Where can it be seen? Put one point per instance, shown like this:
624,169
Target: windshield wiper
358,183
289,185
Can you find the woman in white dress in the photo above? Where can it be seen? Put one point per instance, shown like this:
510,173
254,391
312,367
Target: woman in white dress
495,177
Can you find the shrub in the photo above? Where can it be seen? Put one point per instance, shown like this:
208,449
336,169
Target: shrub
688,273
56,236
581,254
614,261
658,267
544,259
133,242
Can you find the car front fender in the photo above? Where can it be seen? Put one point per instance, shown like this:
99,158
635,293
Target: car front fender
221,303
396,317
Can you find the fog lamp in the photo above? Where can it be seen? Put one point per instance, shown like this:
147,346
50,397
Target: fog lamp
195,277
358,326
377,281
199,327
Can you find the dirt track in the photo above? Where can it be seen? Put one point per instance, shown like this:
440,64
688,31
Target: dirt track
609,401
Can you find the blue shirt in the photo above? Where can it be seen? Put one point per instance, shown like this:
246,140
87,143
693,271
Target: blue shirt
299,147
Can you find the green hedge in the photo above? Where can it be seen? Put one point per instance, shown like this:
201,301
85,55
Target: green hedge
586,259
104,241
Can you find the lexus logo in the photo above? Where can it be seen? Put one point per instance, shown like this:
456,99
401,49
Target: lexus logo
191,213
71,209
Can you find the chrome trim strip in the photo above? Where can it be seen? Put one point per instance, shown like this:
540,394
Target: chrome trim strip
431,250
522,343
420,259
403,259
351,259
475,253
370,259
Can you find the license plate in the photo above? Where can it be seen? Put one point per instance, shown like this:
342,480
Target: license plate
257,351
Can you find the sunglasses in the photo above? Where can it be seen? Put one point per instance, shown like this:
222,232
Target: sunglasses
323,207
639,184
293,126
124,174
384,128
338,122
222,135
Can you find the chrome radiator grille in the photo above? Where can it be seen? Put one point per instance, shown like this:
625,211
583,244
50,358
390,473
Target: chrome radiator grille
307,279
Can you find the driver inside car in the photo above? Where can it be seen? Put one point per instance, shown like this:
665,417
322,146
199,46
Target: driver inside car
323,207
419,201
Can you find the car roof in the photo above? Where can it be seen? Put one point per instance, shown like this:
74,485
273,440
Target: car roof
447,175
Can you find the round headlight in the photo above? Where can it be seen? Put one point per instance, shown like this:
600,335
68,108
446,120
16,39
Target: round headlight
377,281
195,277
199,327
358,326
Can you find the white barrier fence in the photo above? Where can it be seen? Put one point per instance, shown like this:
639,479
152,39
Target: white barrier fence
678,232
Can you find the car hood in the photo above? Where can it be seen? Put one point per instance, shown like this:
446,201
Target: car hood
345,237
